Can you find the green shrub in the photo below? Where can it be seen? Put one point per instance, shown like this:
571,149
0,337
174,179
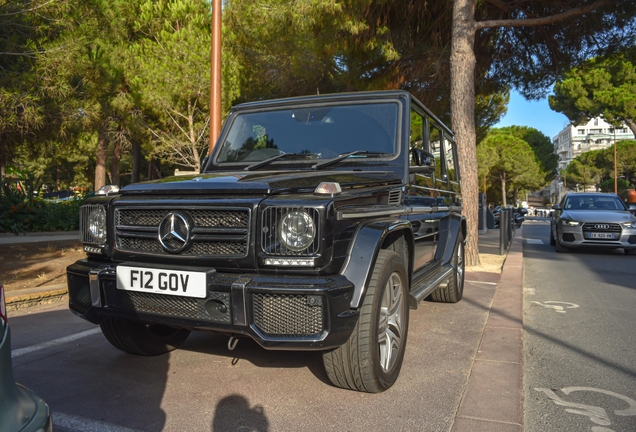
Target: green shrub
20,213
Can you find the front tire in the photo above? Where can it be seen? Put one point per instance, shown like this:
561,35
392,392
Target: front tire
139,338
630,251
370,361
453,291
552,240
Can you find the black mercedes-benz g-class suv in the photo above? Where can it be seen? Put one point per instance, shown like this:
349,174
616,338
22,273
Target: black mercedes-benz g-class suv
316,224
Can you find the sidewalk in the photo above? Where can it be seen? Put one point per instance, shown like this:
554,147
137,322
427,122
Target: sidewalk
492,400
10,238
24,298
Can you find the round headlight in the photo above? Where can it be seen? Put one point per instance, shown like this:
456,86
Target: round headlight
97,224
297,230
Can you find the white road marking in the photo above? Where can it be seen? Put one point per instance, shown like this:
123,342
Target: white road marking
553,305
596,414
81,424
26,350
534,241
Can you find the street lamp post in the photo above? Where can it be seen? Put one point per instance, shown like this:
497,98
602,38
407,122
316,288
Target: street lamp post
215,74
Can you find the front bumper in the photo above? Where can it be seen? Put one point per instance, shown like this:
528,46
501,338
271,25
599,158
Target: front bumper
578,237
277,311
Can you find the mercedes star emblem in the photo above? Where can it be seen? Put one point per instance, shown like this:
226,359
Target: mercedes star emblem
174,232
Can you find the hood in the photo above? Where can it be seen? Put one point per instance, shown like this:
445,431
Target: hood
609,216
270,183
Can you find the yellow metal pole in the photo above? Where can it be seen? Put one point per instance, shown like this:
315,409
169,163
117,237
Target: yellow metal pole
215,74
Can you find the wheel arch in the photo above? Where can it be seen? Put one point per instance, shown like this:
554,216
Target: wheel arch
369,239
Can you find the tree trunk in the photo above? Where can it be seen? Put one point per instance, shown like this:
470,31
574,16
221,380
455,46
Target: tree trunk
503,190
102,154
632,125
136,149
114,164
462,101
515,194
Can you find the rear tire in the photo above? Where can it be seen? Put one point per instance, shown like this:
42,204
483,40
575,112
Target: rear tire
135,337
453,291
370,361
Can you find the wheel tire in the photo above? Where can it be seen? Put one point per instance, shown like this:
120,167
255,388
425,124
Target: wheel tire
453,290
142,339
558,246
370,361
552,240
630,251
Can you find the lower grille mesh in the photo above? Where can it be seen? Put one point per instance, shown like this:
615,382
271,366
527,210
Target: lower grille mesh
288,315
166,305
79,292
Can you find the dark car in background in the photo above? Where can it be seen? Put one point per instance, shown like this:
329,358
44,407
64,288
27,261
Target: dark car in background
597,220
20,408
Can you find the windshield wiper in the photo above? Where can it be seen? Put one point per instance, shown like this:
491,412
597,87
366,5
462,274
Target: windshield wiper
345,156
268,161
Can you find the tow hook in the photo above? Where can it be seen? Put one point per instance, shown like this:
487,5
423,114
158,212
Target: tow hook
231,344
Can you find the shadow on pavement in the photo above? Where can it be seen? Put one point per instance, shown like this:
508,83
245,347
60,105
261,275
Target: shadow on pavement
233,413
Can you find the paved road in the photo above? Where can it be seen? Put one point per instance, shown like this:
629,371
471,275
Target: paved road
579,337
91,386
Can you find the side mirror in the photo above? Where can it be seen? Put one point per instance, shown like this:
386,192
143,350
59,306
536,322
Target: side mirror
423,161
632,209
556,207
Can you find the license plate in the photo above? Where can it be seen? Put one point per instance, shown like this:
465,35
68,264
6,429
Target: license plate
602,235
161,281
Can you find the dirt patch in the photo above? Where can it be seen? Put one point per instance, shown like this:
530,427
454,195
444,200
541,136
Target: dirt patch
489,263
30,265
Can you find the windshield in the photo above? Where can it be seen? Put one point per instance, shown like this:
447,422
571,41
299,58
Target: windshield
590,202
321,132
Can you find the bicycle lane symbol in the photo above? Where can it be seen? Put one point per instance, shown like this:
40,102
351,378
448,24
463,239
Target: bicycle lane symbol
596,414
555,305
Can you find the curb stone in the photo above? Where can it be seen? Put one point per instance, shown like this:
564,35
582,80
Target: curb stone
56,293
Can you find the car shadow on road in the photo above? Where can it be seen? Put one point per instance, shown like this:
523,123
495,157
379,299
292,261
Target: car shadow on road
631,372
620,277
248,350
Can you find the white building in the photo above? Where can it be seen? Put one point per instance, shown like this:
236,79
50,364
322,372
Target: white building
573,141
595,135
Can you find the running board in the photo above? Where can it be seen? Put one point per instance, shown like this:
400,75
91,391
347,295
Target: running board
433,281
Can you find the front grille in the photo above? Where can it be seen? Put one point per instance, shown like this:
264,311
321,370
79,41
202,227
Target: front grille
214,232
166,305
600,227
288,315
79,292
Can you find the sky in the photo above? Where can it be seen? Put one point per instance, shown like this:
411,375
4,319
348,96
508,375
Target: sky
536,114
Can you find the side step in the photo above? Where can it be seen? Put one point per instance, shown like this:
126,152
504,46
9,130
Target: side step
428,284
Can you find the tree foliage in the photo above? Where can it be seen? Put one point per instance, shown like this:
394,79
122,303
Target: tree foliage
509,161
602,86
596,167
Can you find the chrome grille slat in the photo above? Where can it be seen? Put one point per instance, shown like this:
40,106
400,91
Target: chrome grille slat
611,227
216,231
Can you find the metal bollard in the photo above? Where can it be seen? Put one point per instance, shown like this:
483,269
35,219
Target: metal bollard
504,222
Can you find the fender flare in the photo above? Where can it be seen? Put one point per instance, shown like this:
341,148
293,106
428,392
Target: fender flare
363,253
456,224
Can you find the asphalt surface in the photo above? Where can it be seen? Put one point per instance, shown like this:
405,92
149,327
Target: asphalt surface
463,361
579,338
